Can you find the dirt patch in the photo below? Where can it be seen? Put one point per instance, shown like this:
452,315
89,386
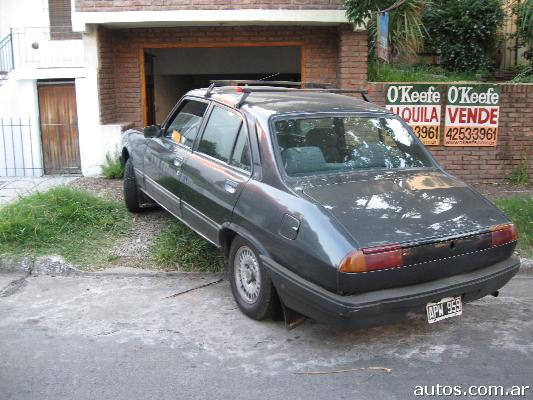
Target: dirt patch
133,250
504,190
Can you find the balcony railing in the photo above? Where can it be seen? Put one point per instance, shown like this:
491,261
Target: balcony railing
51,47
6,58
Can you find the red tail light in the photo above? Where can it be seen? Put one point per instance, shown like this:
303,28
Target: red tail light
373,258
502,234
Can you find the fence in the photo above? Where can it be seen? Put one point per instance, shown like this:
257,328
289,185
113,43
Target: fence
20,149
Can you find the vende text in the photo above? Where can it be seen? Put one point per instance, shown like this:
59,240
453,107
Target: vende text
472,116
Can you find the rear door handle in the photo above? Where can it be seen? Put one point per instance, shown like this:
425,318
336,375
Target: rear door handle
230,186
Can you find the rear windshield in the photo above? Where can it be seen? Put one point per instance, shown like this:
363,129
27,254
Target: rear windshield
311,146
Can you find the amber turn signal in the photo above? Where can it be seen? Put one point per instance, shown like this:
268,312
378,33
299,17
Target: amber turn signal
503,234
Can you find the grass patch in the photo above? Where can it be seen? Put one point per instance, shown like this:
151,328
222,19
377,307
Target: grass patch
519,175
112,168
179,247
382,72
520,211
71,223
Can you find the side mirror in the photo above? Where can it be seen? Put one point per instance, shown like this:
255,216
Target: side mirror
152,131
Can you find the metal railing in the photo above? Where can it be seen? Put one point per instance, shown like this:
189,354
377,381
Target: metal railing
6,58
50,47
20,153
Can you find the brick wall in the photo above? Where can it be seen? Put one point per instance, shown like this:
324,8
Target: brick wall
515,138
161,5
332,54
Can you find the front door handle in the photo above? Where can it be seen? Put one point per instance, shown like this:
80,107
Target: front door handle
178,161
230,186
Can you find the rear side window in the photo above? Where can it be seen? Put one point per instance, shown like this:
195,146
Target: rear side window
241,153
185,125
220,133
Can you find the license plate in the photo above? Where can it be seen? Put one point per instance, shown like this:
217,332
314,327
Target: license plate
446,308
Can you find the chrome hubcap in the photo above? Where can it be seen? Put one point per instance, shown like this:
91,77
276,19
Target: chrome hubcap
247,276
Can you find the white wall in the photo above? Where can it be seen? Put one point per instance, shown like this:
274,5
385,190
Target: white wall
17,13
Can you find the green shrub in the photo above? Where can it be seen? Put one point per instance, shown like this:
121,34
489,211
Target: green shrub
524,32
178,246
112,168
464,32
406,31
64,221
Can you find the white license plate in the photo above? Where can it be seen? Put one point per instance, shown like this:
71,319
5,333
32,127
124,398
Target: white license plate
446,308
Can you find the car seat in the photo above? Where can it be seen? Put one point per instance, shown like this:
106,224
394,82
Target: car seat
326,140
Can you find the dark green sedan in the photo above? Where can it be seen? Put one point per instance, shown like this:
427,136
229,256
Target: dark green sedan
325,205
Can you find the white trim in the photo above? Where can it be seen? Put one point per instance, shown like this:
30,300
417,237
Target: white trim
127,19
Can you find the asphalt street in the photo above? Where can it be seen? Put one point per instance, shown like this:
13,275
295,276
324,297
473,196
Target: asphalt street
125,337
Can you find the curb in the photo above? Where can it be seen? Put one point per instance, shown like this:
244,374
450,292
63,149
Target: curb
57,266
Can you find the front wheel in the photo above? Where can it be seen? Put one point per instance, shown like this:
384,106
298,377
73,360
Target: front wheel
250,282
131,191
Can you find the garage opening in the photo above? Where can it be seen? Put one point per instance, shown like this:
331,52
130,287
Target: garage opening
171,72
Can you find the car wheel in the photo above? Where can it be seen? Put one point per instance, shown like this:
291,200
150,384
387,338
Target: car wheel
250,282
131,191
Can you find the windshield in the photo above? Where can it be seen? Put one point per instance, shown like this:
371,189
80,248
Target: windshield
311,146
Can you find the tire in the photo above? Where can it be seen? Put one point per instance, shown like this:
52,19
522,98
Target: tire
257,298
132,196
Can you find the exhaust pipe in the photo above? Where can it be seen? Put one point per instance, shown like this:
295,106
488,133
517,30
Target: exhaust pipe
496,293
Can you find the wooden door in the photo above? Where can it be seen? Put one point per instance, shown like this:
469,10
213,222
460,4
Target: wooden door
59,128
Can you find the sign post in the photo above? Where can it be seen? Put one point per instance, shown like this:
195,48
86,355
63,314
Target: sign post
472,114
420,107
383,36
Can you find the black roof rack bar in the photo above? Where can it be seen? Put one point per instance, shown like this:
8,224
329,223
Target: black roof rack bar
210,89
246,91
244,82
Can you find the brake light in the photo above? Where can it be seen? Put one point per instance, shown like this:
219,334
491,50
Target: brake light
502,234
373,258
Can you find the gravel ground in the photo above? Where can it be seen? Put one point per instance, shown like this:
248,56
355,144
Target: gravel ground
133,250
504,190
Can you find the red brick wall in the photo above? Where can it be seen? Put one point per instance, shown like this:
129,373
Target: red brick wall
515,138
332,54
161,5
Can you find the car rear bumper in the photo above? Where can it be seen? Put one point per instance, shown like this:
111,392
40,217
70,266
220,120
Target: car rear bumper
383,306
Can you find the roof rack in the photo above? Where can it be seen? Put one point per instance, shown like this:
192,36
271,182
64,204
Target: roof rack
246,91
240,82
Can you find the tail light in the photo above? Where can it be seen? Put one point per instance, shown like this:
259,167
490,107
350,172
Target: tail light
373,258
502,234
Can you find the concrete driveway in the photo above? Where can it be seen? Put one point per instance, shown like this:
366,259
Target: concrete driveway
123,336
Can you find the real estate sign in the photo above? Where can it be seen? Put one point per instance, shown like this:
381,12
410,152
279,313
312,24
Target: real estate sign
472,114
419,106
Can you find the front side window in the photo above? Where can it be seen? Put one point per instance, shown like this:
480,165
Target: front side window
185,125
220,133
311,146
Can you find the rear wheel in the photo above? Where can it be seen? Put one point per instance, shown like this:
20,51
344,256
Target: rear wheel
132,196
250,282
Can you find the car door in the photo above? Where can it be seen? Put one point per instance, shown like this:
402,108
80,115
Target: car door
215,172
166,154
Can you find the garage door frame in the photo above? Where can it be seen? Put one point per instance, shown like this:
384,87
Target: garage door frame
145,46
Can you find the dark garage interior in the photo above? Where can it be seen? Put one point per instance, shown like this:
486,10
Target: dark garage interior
171,72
